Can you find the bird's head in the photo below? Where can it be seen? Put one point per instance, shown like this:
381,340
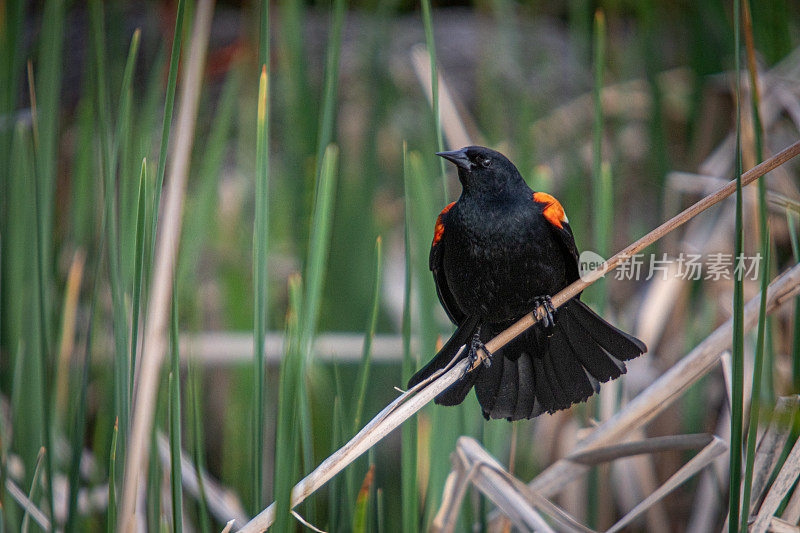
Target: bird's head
483,169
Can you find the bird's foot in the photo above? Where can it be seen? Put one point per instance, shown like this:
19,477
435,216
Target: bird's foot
544,311
475,345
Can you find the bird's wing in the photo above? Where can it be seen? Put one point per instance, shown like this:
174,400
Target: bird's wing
559,223
437,267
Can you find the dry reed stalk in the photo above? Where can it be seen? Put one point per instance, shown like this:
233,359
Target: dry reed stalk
22,499
222,502
780,488
792,512
771,445
778,525
455,487
413,400
716,447
154,343
508,493
455,131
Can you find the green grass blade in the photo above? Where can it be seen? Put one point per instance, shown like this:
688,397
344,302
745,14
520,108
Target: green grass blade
112,490
175,420
764,234
260,283
169,102
286,456
318,246
791,222
126,95
603,198
601,173
301,117
449,424
334,493
755,396
49,74
381,511
26,517
120,361
79,424
198,448
758,136
83,201
658,156
12,47
263,33
328,116
421,215
361,514
408,452
737,376
128,186
19,315
138,273
206,200
366,353
429,41
42,305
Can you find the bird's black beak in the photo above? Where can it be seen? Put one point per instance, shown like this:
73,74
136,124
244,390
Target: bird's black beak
458,158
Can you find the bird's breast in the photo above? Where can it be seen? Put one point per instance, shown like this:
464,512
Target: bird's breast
497,261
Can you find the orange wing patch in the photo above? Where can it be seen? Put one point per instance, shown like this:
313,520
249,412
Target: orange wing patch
439,229
553,211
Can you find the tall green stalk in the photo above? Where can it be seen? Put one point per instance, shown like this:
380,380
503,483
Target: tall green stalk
408,452
197,448
42,303
286,443
601,173
603,198
755,404
737,358
791,222
431,45
79,425
260,282
111,214
169,101
330,89
176,478
111,518
141,217
366,352
764,234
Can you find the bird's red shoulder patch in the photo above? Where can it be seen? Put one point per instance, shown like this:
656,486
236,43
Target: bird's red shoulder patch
552,211
439,229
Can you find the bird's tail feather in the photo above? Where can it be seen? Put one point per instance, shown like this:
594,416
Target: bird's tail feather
460,337
547,374
537,373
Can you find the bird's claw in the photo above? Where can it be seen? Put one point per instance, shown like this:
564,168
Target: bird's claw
545,311
475,345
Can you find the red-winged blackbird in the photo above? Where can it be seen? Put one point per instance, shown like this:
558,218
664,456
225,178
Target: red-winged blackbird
498,252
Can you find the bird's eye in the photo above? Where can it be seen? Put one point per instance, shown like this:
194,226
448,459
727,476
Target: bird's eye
485,162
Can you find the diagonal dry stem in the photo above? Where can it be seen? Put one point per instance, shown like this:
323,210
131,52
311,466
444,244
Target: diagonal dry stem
714,448
413,400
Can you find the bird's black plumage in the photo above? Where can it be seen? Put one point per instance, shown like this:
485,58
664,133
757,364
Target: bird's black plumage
496,253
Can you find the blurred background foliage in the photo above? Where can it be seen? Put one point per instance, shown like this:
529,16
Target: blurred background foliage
76,205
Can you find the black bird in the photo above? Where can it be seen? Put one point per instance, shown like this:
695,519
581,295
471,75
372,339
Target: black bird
499,252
